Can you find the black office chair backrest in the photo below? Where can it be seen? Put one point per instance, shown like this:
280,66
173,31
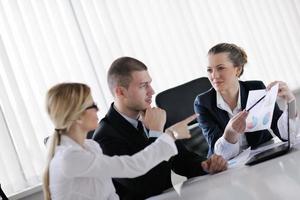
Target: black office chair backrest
178,102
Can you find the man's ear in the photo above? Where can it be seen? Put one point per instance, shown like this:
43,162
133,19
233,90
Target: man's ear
120,91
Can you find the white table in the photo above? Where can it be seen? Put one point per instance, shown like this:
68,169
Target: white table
275,179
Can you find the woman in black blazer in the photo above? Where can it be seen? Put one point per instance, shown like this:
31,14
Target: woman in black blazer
221,109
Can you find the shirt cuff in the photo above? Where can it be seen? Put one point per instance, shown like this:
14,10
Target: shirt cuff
154,134
225,149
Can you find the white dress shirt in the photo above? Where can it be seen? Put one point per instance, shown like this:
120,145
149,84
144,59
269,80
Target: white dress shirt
79,173
229,150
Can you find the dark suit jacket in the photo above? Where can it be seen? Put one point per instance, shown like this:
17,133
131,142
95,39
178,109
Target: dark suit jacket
117,136
213,120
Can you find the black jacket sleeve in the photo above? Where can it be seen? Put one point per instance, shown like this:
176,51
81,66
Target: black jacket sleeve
210,127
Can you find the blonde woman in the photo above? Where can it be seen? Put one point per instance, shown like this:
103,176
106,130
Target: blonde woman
76,167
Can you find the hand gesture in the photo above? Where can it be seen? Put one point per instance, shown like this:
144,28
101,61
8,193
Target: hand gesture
283,91
180,130
214,164
235,126
154,119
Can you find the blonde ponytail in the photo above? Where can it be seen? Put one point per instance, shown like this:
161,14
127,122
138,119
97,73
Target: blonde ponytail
53,142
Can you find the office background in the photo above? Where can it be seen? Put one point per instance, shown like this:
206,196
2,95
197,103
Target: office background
43,42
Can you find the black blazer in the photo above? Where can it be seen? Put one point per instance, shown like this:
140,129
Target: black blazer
213,120
117,136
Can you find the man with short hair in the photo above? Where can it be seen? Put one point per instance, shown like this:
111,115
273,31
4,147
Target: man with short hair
122,133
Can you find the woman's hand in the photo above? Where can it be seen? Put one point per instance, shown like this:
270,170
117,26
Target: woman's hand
283,91
235,126
180,130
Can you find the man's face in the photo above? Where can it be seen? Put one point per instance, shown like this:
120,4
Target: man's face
138,95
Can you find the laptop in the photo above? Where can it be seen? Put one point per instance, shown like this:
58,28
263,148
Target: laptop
272,152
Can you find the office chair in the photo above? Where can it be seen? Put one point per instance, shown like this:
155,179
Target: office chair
178,102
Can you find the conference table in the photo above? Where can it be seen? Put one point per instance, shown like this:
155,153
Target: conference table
275,179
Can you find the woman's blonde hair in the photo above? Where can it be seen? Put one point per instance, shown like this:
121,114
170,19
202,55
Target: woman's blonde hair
65,103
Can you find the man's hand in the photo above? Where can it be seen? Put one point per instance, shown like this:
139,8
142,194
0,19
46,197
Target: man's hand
154,119
214,164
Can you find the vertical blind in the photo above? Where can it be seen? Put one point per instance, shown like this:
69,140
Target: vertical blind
173,37
40,45
43,42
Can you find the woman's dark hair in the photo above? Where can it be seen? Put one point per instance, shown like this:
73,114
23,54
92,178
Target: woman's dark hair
236,54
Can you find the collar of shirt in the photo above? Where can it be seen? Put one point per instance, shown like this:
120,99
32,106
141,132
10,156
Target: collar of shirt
224,106
133,122
67,141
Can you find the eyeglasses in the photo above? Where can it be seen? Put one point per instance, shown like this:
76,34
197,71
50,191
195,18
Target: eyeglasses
93,106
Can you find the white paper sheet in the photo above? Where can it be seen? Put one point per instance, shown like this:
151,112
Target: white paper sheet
260,116
240,159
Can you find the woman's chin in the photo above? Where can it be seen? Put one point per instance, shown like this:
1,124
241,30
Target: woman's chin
218,88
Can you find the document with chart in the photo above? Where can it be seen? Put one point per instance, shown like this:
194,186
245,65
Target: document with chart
260,104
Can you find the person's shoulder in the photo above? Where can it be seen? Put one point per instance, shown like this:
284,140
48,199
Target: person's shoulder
205,96
108,130
90,142
93,145
253,84
66,151
104,128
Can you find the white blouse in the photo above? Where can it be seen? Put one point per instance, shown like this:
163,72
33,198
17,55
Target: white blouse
85,173
228,150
